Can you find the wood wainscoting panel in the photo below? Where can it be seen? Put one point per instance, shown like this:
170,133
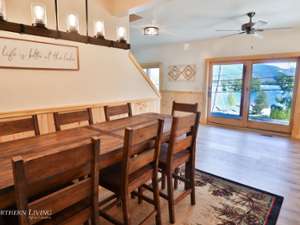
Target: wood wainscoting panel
167,98
46,120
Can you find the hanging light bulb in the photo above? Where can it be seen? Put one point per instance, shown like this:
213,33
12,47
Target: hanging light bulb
39,15
2,10
121,33
99,29
72,23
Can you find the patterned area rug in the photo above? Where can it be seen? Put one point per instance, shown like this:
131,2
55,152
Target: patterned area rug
218,202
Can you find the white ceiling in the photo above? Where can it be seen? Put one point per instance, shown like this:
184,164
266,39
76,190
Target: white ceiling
187,20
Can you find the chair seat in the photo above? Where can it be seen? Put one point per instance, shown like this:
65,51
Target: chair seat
110,177
178,159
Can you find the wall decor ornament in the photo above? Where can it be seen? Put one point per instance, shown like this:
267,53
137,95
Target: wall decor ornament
26,54
182,72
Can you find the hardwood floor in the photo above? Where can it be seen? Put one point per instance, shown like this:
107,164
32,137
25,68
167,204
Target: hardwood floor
270,163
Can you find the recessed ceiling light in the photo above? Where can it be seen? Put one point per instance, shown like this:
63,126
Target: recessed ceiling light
151,31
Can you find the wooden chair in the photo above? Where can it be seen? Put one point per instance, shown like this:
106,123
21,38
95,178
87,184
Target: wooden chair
65,118
50,178
111,111
184,107
139,165
20,126
180,151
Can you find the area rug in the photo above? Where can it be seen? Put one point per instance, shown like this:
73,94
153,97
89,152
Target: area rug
218,202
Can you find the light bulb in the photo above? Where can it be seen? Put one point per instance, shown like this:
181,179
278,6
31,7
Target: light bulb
39,12
39,16
99,29
121,33
2,9
72,23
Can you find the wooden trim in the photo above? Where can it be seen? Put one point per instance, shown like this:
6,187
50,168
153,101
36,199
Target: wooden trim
186,92
295,132
49,33
30,112
260,131
140,69
254,57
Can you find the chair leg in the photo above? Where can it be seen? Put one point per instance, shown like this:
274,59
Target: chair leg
132,195
170,198
140,191
193,193
175,179
125,209
163,180
190,176
156,200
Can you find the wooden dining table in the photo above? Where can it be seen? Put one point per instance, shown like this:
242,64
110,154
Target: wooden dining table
111,135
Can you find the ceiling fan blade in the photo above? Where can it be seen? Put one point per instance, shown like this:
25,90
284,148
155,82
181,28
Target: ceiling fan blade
231,35
261,23
275,28
221,30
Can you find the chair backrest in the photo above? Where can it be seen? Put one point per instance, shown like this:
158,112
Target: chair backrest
141,149
111,111
66,118
20,126
184,107
45,184
183,136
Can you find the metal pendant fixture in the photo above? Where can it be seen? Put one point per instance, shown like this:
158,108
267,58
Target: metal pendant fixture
151,31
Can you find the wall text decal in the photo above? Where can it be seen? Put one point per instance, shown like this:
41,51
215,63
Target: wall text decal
26,54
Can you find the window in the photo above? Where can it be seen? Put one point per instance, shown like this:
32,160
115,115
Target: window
253,93
154,75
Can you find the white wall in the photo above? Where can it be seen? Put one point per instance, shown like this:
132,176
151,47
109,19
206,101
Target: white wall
173,54
106,74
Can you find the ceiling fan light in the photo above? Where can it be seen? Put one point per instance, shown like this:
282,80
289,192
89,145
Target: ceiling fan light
151,31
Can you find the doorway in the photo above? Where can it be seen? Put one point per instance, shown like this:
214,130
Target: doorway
256,93
153,71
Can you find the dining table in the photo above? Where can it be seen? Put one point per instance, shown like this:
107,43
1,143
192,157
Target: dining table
111,135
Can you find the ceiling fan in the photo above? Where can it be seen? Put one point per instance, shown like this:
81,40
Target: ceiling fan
252,28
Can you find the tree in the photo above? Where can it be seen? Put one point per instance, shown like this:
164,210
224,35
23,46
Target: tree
285,82
255,84
260,102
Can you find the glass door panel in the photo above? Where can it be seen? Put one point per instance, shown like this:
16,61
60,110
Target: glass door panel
271,92
226,92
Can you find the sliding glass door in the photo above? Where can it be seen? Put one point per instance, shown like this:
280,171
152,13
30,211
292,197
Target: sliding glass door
254,94
271,94
226,93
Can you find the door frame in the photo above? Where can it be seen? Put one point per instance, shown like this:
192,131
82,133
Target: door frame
221,120
155,65
248,60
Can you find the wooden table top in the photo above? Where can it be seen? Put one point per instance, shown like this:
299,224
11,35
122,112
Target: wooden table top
117,127
111,135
